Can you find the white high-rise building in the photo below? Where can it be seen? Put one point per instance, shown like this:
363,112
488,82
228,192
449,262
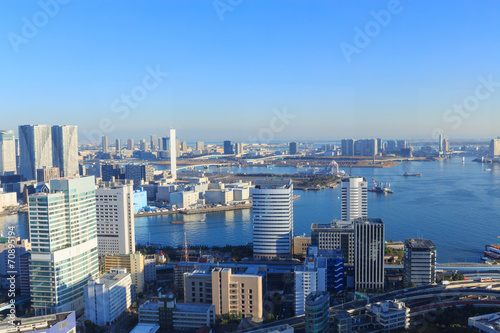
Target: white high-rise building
273,218
308,278
354,198
35,145
7,152
65,149
495,147
105,144
108,296
63,238
173,154
115,220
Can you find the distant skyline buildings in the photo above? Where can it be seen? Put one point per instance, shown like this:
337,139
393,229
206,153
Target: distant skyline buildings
7,152
45,146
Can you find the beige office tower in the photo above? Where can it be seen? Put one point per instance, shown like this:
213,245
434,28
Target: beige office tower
115,220
134,263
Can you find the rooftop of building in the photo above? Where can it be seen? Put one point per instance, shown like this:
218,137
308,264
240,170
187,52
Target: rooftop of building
40,322
149,306
418,243
193,307
273,183
335,224
492,321
236,269
387,306
317,297
145,328
110,279
369,220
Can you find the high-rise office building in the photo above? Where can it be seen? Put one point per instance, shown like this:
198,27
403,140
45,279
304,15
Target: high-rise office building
495,147
105,144
115,220
368,147
446,145
65,149
347,147
419,262
154,142
293,148
273,218
200,145
184,146
238,148
64,244
369,239
130,144
401,144
391,146
228,147
440,143
35,144
7,152
118,146
165,143
143,145
354,198
139,173
173,154
333,236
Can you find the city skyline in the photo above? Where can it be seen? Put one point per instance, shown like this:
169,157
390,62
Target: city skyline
328,71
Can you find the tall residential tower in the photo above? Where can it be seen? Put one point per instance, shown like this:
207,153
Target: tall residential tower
35,144
65,150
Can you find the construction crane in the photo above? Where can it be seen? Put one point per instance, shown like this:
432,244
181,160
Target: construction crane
186,251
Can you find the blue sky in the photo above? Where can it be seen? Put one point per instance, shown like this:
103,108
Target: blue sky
233,65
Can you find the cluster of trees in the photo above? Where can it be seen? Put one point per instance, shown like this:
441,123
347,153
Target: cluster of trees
455,277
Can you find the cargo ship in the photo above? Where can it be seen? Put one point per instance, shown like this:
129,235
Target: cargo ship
406,174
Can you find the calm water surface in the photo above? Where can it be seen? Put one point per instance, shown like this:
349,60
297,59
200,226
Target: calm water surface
455,204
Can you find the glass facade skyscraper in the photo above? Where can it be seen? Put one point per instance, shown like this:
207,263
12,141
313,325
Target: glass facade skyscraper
63,235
